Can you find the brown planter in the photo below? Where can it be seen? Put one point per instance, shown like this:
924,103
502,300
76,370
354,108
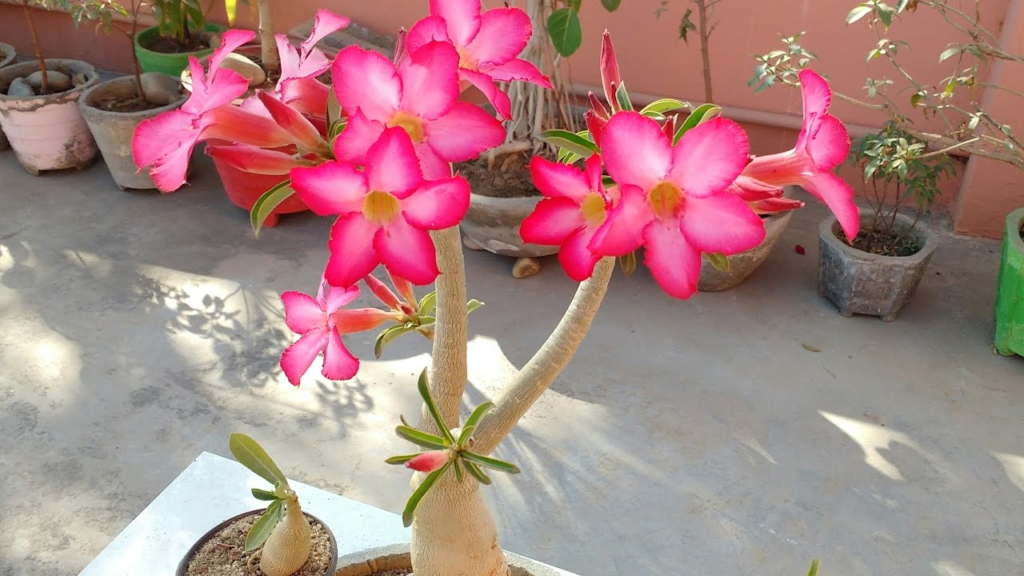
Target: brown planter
397,556
494,223
861,283
743,264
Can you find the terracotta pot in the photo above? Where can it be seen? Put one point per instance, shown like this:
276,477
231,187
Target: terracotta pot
493,223
113,131
244,189
7,55
397,556
743,264
183,565
861,283
1010,293
47,132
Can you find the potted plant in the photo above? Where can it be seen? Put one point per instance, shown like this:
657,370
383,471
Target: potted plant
113,109
7,55
181,31
1010,293
281,539
877,271
39,109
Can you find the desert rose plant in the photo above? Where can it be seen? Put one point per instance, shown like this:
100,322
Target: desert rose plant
378,158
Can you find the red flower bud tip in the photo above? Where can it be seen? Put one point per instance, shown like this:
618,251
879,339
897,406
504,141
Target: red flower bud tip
597,106
799,250
382,292
609,70
428,461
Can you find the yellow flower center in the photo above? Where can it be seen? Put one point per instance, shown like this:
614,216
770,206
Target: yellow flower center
665,199
380,207
466,60
593,209
412,125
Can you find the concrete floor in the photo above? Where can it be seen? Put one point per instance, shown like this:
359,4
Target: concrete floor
699,437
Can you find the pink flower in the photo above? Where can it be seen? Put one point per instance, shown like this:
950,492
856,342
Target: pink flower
385,210
321,323
429,461
672,200
420,96
488,45
164,143
762,198
822,145
298,86
573,208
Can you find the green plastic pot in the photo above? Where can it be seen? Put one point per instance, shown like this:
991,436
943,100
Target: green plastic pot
1010,294
171,64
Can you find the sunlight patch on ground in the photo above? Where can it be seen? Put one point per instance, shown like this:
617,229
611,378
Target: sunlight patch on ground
949,568
1014,467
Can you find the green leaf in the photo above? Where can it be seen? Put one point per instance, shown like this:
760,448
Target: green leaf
622,97
857,13
336,128
473,304
703,113
270,199
915,99
885,14
264,526
281,490
421,438
565,31
470,426
424,387
570,141
421,491
574,4
400,459
686,26
387,335
719,261
664,105
255,458
949,53
491,463
263,495
458,471
611,5
477,473
814,568
427,303
333,108
628,264
231,7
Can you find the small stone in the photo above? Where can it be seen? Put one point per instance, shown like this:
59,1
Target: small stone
58,82
20,89
249,70
525,267
160,88
210,38
79,79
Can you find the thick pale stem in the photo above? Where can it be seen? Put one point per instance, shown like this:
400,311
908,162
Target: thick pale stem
289,544
268,47
517,397
448,369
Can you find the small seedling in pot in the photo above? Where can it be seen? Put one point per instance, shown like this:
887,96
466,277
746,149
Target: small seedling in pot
282,530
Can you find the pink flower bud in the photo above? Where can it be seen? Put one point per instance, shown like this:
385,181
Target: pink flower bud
382,292
609,71
428,461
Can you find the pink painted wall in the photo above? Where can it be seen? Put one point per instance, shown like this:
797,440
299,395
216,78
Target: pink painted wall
654,61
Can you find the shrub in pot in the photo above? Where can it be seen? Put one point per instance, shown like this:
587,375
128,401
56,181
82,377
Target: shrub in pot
878,271
1010,293
39,109
181,32
7,55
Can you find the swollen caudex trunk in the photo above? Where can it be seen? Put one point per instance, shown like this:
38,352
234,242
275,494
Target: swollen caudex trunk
453,533
288,547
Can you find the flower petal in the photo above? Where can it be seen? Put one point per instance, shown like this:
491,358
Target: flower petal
829,145
298,357
552,222
217,89
816,93
428,461
360,133
751,189
557,180
463,133
721,223
503,35
622,231
426,30
325,23
382,292
434,168
437,204
461,16
775,205
162,135
368,81
235,125
838,196
352,252
360,319
338,297
518,69
595,125
302,313
709,157
673,262
230,40
484,83
291,121
407,251
253,160
330,188
339,363
430,80
307,95
576,257
392,165
610,78
635,151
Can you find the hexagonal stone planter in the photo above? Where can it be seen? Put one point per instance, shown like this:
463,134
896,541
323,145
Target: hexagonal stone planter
861,283
396,557
1010,294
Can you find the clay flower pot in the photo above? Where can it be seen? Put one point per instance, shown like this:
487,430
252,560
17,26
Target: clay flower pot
861,283
113,131
47,132
1010,293
173,64
7,55
182,569
493,224
743,264
244,189
396,557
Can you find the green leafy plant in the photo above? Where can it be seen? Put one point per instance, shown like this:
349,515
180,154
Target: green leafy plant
446,452
104,12
179,19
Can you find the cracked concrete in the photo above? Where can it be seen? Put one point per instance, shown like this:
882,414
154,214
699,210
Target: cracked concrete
692,437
